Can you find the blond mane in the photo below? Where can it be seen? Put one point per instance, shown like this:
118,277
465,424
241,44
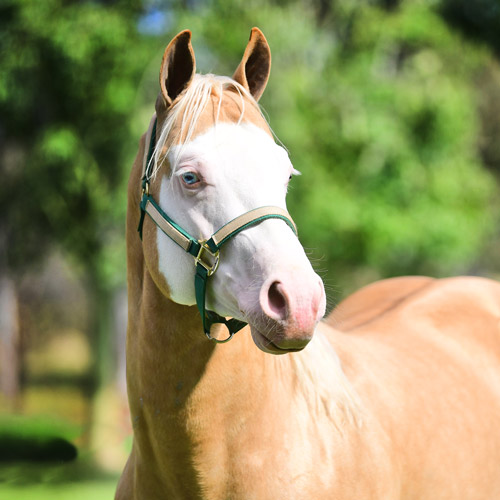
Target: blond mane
186,112
324,385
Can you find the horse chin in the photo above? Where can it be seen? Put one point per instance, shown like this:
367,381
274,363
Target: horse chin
268,346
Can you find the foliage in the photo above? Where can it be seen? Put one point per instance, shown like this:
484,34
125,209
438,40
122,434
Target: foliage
395,121
69,71
36,439
31,427
479,19
68,74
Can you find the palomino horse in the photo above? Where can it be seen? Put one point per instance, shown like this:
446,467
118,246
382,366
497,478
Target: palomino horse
397,395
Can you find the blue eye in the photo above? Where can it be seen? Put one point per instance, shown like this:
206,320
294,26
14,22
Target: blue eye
190,178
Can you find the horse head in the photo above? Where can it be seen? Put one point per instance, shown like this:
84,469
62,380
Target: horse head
215,159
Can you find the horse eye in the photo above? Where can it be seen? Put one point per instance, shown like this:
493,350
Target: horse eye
190,178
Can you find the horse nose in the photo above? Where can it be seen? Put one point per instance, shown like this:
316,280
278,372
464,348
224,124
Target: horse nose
296,303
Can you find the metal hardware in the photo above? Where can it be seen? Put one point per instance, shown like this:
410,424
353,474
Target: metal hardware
211,267
223,341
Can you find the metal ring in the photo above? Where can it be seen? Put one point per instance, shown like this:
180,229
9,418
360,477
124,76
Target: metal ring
220,341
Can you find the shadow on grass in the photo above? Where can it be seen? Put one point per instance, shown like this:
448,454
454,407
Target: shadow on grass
36,449
39,450
53,473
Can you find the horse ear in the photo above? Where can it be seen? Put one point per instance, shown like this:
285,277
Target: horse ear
253,70
177,67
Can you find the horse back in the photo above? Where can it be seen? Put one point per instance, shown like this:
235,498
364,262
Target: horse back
464,308
375,300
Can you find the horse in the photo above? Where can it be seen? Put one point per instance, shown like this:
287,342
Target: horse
395,395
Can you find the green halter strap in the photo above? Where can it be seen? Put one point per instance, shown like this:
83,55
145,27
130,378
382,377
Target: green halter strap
206,253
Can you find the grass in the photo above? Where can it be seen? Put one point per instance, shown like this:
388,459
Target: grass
77,480
99,489
28,471
24,426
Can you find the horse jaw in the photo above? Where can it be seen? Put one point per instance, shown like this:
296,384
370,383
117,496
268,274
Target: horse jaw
264,277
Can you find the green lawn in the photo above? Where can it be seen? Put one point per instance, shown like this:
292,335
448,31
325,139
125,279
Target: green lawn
32,467
100,489
78,480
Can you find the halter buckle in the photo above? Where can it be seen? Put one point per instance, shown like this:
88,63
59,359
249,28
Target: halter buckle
213,261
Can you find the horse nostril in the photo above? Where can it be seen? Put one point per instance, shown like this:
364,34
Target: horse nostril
277,300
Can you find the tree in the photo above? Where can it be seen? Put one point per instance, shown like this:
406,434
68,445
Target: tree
68,78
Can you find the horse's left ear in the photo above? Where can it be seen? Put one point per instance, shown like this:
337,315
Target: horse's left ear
178,66
253,70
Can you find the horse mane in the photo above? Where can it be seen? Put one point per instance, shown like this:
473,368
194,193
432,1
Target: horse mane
323,384
187,109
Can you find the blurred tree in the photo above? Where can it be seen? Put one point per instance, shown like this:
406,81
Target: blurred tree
395,116
479,19
68,77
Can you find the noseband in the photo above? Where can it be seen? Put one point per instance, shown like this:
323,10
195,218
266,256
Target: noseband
206,253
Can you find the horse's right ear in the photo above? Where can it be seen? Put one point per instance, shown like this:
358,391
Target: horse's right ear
177,67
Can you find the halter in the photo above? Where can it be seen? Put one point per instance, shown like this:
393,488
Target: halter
206,253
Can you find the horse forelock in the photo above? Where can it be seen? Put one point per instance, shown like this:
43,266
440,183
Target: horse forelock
191,114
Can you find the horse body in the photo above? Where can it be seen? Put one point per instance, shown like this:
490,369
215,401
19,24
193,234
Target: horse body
395,397
427,362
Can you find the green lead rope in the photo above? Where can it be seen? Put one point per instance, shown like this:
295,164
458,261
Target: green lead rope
200,249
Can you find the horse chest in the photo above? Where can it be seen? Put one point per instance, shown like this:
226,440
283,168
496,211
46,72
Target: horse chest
283,458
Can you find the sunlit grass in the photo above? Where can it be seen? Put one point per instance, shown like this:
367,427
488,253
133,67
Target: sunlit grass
80,479
95,490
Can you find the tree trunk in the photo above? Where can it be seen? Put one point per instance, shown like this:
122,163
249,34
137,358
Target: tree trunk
120,338
9,341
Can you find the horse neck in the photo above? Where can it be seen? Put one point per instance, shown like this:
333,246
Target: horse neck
187,395
192,401
168,352
181,386
165,339
176,377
